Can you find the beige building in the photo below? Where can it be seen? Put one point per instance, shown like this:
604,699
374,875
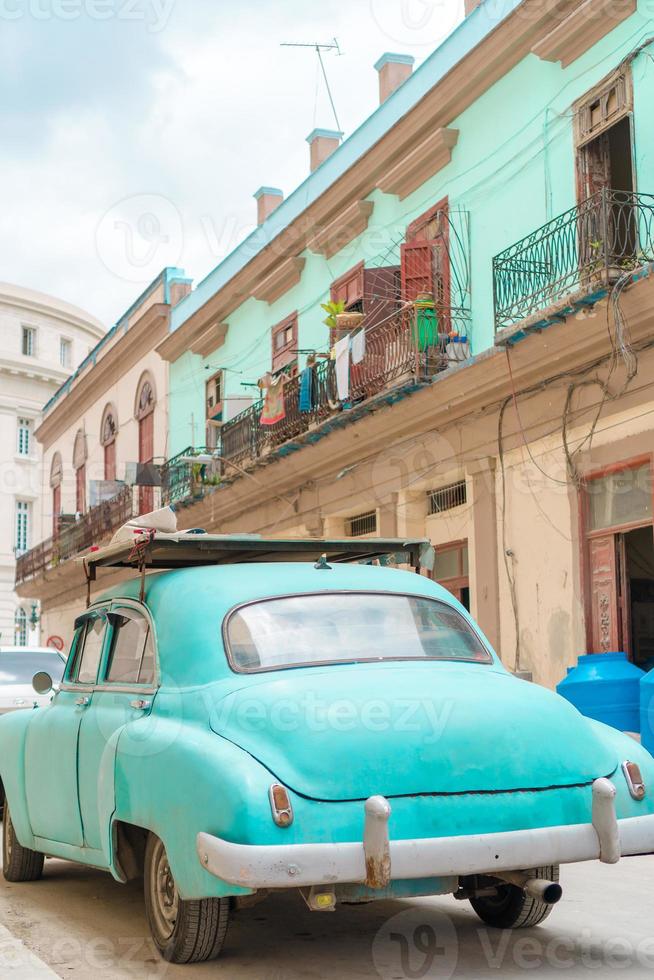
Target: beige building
103,435
42,339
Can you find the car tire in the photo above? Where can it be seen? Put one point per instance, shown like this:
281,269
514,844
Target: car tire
18,863
184,931
511,908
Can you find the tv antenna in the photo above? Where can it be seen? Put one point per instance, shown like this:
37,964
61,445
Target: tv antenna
332,45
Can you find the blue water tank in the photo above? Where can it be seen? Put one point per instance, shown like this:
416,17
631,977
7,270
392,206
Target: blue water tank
647,711
605,686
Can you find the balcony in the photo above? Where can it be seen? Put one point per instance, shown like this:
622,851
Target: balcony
189,475
94,526
394,355
574,259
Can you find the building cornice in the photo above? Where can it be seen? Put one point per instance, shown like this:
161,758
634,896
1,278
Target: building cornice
33,369
581,29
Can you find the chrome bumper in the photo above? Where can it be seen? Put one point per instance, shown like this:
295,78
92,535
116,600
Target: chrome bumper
376,860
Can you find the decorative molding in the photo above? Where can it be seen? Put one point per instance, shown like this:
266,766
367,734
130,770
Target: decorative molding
421,163
343,229
581,29
210,340
280,280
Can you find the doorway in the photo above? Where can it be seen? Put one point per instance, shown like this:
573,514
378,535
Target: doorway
637,546
451,570
619,558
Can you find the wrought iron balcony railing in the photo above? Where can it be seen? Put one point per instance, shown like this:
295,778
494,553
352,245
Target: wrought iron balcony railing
185,478
98,523
392,353
579,253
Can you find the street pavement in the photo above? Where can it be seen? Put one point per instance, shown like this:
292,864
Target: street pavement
79,924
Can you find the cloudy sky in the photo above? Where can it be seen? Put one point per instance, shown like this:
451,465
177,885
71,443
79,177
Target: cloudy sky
133,133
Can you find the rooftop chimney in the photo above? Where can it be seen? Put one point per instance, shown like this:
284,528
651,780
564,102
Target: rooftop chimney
267,198
393,70
322,143
471,5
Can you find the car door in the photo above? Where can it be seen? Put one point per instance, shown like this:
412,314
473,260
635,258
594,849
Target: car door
122,699
52,736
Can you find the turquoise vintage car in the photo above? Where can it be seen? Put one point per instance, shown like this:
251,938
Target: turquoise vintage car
258,717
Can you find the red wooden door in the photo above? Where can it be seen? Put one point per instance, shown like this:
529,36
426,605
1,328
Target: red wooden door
417,269
80,489
604,594
56,509
146,453
110,461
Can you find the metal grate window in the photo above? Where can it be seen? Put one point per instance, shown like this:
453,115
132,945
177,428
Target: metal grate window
362,524
23,447
28,346
22,526
447,498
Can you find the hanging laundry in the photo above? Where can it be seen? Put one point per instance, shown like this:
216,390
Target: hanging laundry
342,358
307,381
274,409
358,347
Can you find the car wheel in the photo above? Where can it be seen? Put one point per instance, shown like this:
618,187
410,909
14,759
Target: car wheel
18,862
184,931
511,908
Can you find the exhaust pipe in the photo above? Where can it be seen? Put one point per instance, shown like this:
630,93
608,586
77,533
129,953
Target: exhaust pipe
548,892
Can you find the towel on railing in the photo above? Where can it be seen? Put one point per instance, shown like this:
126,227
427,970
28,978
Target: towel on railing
342,359
274,409
306,390
358,347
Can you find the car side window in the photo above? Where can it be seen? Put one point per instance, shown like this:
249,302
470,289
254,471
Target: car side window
90,651
131,656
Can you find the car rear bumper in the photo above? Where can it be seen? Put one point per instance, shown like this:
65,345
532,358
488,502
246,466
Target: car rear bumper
377,860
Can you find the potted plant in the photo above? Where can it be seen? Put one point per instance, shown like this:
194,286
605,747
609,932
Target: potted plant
340,320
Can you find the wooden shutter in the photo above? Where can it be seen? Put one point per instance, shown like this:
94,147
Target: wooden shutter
110,461
146,438
604,595
56,509
417,269
80,489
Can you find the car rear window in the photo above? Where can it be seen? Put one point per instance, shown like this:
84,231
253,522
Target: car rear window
308,630
20,668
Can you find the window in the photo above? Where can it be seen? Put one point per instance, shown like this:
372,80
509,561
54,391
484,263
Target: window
20,628
622,497
214,409
89,650
362,524
447,498
344,628
24,428
131,658
284,343
451,570
22,526
56,509
29,342
65,352
19,668
108,432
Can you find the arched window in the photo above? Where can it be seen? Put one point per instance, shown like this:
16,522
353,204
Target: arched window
144,414
20,626
108,433
56,477
80,453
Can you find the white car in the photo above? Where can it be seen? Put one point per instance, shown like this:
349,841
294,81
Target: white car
18,665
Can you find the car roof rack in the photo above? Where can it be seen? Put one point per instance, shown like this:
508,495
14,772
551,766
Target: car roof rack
156,550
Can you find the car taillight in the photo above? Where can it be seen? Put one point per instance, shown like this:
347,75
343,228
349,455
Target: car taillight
634,779
280,804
